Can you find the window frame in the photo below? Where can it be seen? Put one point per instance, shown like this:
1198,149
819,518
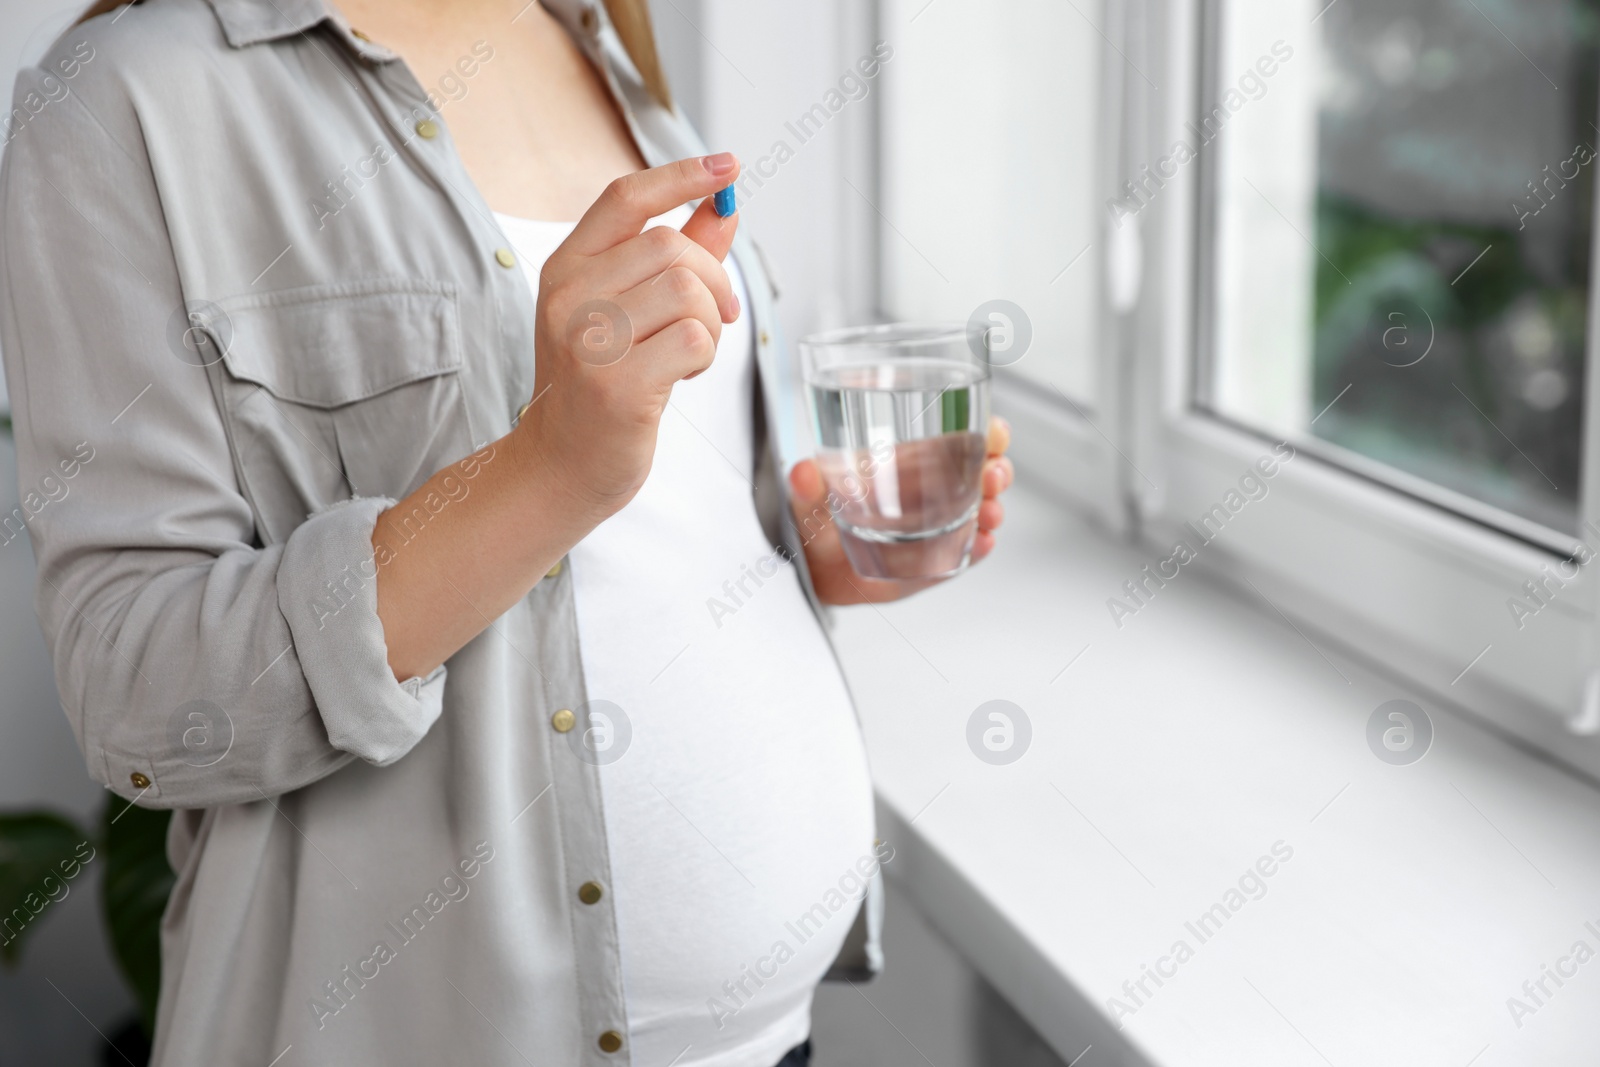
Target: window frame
1388,572
1411,581
1067,446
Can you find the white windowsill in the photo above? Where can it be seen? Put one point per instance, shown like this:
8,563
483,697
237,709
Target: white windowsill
1164,762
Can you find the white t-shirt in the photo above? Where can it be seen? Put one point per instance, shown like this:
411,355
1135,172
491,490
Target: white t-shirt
734,781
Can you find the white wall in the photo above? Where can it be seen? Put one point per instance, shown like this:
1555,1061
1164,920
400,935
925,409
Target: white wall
988,128
747,68
27,27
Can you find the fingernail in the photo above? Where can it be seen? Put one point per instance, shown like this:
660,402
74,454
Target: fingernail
734,317
725,203
721,164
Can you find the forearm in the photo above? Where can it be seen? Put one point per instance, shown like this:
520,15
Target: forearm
585,452
468,544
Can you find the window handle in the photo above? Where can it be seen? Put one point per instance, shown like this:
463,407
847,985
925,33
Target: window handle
1125,264
1587,721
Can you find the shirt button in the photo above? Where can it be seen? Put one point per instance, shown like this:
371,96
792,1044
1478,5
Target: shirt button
427,129
590,892
610,1041
591,23
554,571
139,781
563,721
357,33
504,257
765,340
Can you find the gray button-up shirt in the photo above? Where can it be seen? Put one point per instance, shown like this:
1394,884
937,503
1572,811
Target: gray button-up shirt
247,304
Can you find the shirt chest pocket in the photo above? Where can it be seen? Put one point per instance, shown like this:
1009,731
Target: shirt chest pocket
333,392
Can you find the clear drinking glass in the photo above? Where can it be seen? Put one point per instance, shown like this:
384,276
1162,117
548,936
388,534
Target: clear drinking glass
901,414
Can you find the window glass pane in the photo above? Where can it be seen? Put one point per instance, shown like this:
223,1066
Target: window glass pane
1400,221
989,129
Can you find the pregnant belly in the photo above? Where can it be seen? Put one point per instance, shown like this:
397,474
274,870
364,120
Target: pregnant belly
737,802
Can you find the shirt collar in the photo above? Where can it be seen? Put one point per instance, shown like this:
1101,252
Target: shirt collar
248,22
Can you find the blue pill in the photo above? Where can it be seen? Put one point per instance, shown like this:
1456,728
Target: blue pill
725,203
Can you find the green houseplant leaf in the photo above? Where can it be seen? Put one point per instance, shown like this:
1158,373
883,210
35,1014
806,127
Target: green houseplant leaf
40,854
134,892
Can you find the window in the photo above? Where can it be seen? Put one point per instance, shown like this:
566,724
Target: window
1235,224
989,208
1415,193
1367,234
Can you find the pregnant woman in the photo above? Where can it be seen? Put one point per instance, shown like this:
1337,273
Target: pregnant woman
389,567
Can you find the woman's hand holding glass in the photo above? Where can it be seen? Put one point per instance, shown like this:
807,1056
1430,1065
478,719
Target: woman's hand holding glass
835,581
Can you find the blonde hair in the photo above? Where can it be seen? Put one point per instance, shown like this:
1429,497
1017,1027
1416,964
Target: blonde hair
630,17
632,20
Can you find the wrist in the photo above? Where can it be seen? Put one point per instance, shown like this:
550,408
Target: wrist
551,492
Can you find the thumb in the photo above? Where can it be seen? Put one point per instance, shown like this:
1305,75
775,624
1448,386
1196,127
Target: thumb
711,231
806,487
808,500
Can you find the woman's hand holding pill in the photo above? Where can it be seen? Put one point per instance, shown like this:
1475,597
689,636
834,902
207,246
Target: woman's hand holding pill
623,315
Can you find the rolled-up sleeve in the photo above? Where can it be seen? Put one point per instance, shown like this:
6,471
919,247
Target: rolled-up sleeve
335,631
197,666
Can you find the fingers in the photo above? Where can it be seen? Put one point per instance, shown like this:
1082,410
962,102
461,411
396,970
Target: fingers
982,545
991,512
998,474
680,350
711,231
634,199
999,438
676,293
649,255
